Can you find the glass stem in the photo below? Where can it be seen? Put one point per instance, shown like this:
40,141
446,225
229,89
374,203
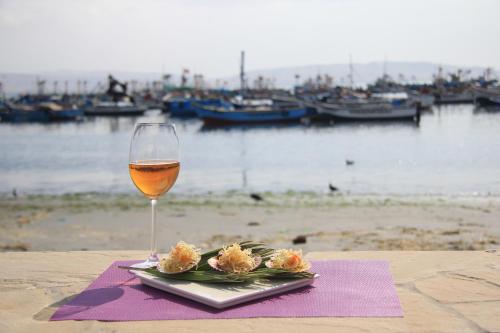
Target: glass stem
153,257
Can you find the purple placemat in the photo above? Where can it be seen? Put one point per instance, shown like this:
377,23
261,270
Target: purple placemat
345,288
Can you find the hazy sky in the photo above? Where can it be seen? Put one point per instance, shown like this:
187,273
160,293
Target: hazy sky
207,35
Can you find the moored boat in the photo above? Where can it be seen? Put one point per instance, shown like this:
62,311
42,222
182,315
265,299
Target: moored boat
121,108
180,107
422,101
59,112
186,107
463,97
452,88
229,114
19,113
367,109
116,103
487,97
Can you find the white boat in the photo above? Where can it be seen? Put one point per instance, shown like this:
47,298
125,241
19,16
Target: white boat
122,108
258,104
455,97
424,101
487,97
368,109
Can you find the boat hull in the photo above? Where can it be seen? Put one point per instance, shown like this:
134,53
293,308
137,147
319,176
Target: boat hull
66,114
186,108
462,98
180,108
24,116
423,101
212,116
487,97
366,112
115,111
488,101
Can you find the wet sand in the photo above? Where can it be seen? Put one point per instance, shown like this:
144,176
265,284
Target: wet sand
328,222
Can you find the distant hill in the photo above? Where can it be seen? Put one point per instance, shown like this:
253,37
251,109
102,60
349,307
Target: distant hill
14,83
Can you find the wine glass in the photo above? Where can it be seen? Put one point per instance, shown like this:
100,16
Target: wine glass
154,166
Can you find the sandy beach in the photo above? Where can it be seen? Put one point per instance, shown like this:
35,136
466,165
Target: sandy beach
328,222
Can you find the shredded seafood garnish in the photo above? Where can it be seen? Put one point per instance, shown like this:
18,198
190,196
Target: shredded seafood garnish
235,260
290,260
181,257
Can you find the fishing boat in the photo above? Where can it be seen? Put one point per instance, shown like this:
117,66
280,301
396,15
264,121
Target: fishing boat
487,97
109,108
180,107
186,107
60,112
366,109
19,113
422,100
243,109
452,88
229,114
449,97
116,102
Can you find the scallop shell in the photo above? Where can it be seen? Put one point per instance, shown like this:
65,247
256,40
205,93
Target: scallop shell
268,264
158,267
214,263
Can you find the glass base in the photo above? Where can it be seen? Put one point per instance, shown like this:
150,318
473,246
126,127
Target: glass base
151,262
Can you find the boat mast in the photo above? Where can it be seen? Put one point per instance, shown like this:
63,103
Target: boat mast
40,86
242,73
384,68
351,70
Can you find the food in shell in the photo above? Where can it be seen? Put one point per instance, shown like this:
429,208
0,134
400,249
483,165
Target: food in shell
290,260
181,258
234,259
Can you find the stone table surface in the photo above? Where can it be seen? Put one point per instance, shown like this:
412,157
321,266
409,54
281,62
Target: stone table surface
439,292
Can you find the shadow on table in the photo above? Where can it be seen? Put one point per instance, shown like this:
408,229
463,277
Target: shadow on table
80,302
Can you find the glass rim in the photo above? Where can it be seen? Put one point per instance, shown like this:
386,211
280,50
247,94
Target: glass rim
155,124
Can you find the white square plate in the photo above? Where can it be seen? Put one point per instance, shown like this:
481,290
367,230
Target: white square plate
221,296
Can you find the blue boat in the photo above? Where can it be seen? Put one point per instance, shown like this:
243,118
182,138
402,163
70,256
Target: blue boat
180,107
186,107
22,113
230,115
59,112
66,114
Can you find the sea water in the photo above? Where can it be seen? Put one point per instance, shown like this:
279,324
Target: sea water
454,151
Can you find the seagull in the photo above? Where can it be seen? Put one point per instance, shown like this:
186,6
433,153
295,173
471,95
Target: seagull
349,162
332,188
256,197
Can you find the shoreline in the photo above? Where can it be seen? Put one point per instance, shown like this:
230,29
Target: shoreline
100,221
239,197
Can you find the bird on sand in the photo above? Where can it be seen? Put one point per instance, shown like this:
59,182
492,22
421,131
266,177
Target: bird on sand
256,197
301,239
